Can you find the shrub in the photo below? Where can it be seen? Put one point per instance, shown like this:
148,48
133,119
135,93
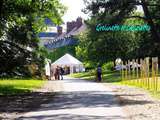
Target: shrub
108,66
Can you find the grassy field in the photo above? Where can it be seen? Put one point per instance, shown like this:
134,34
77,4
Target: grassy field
85,75
109,76
17,86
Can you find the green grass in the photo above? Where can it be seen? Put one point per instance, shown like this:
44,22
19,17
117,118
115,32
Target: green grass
142,84
85,75
18,86
108,76
111,77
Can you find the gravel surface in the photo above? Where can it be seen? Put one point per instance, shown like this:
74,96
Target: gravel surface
137,103
79,100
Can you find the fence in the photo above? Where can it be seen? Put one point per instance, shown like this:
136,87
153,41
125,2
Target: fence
141,72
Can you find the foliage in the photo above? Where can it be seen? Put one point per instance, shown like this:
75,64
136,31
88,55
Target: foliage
108,66
90,75
89,65
116,11
20,22
59,52
101,47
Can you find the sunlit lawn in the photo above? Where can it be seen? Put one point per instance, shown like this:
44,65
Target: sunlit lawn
84,75
108,76
17,86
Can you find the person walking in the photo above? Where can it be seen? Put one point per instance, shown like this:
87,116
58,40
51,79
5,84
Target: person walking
57,73
99,73
61,73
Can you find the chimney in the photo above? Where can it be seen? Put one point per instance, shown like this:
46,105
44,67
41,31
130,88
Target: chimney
79,22
59,30
70,26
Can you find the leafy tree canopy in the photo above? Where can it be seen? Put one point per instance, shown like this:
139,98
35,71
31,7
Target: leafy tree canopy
100,47
118,10
20,21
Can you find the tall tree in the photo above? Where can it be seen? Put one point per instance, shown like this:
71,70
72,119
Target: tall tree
122,9
104,46
20,22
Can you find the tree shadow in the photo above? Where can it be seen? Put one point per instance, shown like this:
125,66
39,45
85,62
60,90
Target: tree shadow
73,117
80,99
126,101
89,99
77,80
62,100
24,102
119,95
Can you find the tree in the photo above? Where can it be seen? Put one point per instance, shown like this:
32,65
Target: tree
20,22
59,52
105,46
118,10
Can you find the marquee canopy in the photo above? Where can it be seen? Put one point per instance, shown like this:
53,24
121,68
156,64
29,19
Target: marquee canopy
67,59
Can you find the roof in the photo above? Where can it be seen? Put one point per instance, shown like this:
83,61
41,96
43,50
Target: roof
82,28
67,59
65,38
61,43
49,22
76,31
47,34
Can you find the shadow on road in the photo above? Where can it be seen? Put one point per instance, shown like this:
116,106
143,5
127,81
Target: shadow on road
73,117
24,102
89,99
68,101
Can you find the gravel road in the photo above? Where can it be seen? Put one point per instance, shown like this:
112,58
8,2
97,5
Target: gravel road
79,100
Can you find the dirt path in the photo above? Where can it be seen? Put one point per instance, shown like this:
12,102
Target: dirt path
79,100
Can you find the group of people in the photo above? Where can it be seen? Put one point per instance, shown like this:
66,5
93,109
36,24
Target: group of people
58,73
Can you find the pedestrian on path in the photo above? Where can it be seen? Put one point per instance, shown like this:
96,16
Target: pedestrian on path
99,73
61,73
57,73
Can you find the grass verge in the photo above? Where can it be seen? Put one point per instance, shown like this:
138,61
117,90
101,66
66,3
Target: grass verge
108,76
18,86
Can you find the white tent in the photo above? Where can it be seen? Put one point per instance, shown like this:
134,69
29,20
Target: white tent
67,60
